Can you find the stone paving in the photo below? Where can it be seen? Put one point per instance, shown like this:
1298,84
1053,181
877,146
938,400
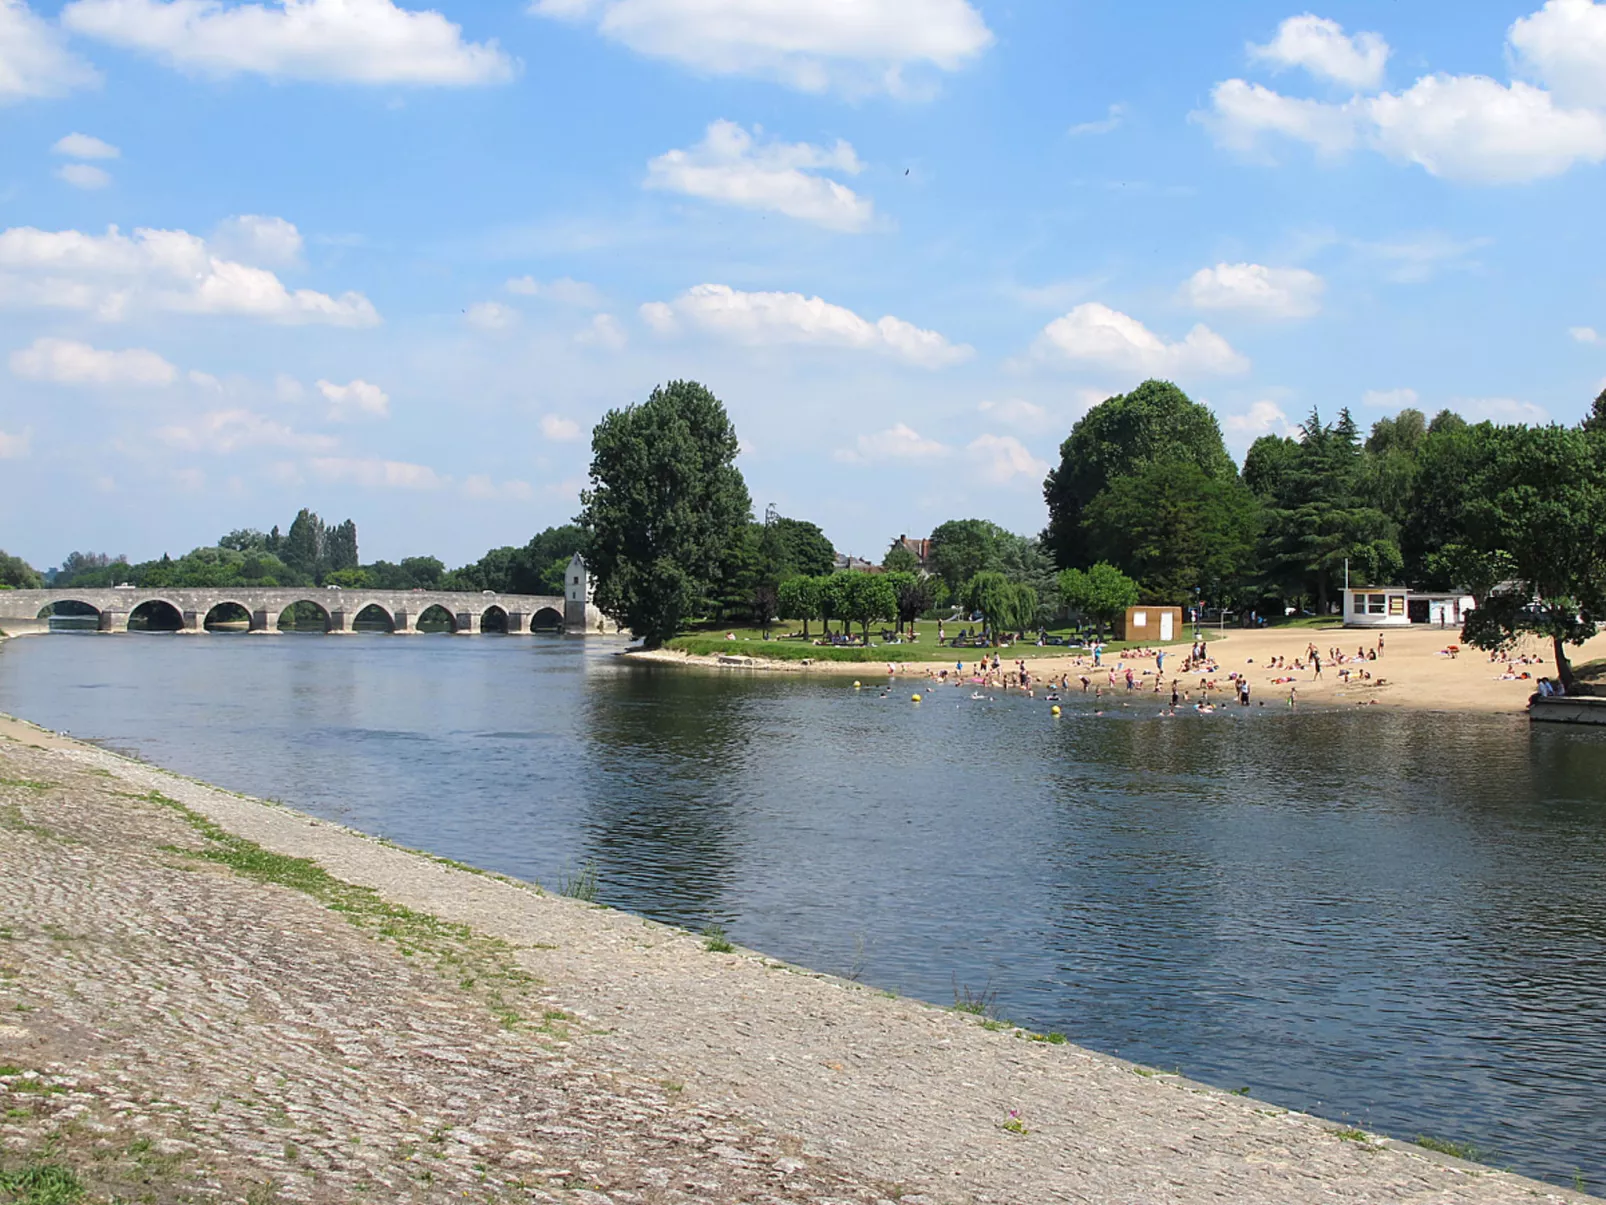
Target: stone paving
189,1012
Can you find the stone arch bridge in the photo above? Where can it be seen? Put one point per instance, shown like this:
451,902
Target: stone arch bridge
28,611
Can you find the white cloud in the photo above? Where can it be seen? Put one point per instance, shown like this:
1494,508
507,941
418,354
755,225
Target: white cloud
1262,418
1389,399
491,315
482,487
1110,122
65,362
1321,48
729,167
1095,334
1419,259
33,59
254,239
83,175
1564,45
1500,410
1271,292
374,473
563,290
605,332
898,442
999,459
356,41
862,45
359,399
1585,334
15,447
169,270
559,429
204,380
1470,128
85,146
757,319
221,432
1241,114
287,389
1024,415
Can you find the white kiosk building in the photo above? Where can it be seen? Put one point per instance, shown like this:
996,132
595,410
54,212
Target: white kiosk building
1397,607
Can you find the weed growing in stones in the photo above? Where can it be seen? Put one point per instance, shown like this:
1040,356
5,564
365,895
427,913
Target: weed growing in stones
1471,1152
41,1184
579,884
1240,1091
1351,1134
715,941
1054,1038
978,1004
1014,1124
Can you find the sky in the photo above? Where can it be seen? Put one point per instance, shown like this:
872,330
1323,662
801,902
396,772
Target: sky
393,261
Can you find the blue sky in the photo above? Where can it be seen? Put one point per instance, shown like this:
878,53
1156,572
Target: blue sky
392,262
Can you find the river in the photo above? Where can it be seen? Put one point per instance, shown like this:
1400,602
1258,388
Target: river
1392,919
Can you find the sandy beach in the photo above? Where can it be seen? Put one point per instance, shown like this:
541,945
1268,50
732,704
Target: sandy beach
1416,669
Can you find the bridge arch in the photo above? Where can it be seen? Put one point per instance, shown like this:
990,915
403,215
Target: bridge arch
547,619
227,614
70,615
293,616
494,619
156,615
373,616
433,617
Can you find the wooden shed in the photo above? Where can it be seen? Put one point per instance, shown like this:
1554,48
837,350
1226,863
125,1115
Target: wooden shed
1151,625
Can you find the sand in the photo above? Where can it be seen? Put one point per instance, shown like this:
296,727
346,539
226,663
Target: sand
1415,671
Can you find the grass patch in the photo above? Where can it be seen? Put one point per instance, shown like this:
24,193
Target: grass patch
27,784
580,884
1014,1124
715,941
750,642
1053,1038
1471,1152
41,1183
482,966
976,1004
1351,1134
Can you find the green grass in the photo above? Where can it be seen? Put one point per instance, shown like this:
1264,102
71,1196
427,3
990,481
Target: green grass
41,1184
1053,1038
1460,1150
580,884
750,642
715,941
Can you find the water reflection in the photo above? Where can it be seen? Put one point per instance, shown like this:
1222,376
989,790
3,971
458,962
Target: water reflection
1399,919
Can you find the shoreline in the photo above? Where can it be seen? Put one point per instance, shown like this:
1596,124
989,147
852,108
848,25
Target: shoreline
1415,671
791,1082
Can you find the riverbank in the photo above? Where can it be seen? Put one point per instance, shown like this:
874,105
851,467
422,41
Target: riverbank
203,993
1416,669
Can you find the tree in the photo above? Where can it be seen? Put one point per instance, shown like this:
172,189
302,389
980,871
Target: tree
866,598
1176,529
1156,421
1541,502
1101,592
664,502
17,574
803,548
993,594
899,559
915,593
245,539
303,548
799,598
962,548
340,547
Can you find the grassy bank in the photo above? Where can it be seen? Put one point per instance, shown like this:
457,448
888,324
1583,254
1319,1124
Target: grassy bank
750,642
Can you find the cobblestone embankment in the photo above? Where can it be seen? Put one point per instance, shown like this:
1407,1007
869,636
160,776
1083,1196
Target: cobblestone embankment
208,998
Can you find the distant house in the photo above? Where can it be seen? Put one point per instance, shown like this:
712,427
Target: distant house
844,562
920,548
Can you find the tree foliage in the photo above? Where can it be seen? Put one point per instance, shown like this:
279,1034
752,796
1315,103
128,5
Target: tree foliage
17,574
1115,439
664,503
1101,592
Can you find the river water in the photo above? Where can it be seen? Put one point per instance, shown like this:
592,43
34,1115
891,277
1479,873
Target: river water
1393,919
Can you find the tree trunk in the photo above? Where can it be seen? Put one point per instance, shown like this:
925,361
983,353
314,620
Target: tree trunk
1564,669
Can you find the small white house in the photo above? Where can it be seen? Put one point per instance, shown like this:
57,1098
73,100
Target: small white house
1397,607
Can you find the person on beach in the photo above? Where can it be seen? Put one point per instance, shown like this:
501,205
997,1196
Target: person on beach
1380,644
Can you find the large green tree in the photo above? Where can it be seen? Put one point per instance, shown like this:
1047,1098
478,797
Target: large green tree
1101,592
799,598
1540,504
664,502
1156,421
1176,529
962,548
17,574
803,547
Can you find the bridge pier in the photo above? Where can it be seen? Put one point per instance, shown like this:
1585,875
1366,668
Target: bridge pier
264,622
468,623
192,622
516,625
402,623
114,621
340,624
